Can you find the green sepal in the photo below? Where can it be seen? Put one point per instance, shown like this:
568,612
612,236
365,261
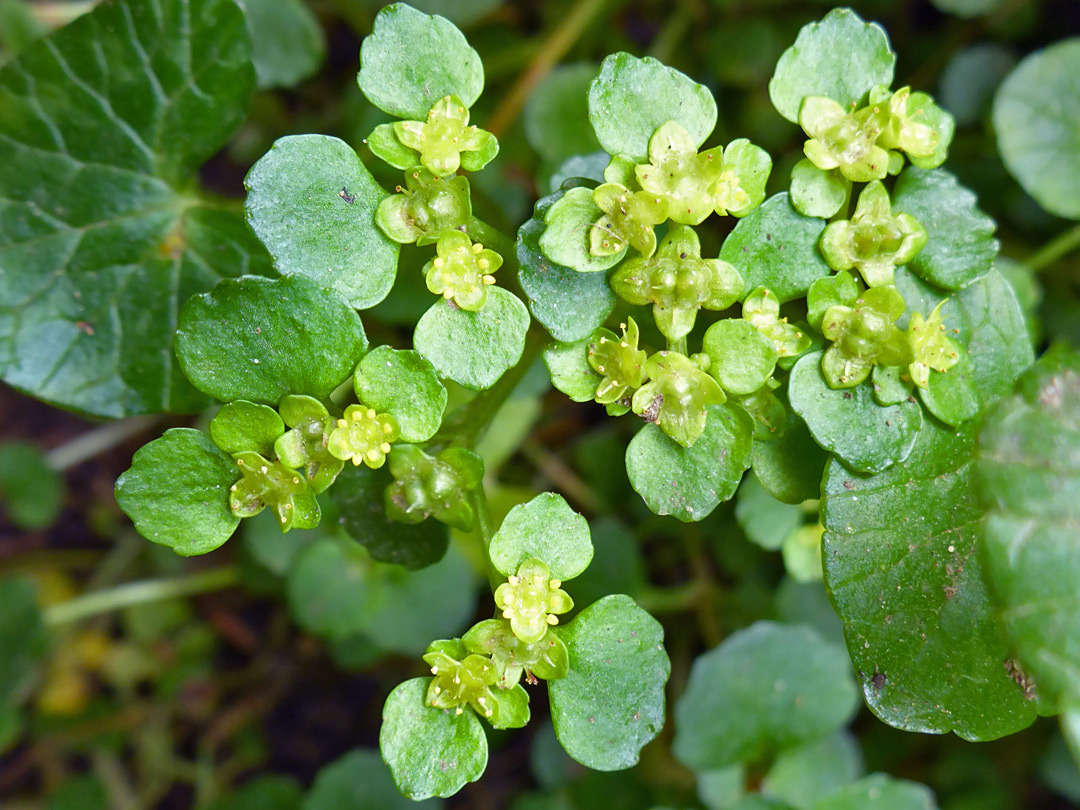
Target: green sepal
628,219
864,336
405,385
462,270
677,396
426,208
743,176
242,425
176,492
304,445
918,127
679,180
566,237
545,528
384,144
363,436
433,486
461,680
270,483
742,359
546,659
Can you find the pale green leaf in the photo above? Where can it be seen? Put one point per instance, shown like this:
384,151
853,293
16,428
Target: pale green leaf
545,528
403,384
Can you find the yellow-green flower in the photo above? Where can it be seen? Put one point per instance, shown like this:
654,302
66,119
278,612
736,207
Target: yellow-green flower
931,345
445,141
462,270
363,436
532,600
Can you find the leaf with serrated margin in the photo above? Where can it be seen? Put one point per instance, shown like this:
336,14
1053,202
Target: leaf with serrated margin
102,125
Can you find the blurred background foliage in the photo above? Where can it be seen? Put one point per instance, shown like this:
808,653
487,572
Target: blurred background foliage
254,677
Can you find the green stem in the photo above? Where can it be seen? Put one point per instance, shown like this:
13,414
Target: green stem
678,346
480,231
1053,250
131,594
91,443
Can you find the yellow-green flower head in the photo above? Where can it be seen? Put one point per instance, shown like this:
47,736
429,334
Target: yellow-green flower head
845,141
678,282
762,309
931,345
426,208
532,600
305,445
916,125
459,683
676,396
873,241
462,270
546,659
363,436
618,360
864,336
445,135
270,483
681,177
629,218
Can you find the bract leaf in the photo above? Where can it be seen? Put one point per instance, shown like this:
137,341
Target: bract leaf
431,752
815,769
742,358
768,687
848,422
1028,470
176,492
567,225
260,339
474,349
405,385
632,98
103,237
611,702
816,192
241,425
774,246
689,482
840,57
568,365
790,466
412,59
1035,113
961,246
359,781
549,530
312,203
570,305
287,43
879,792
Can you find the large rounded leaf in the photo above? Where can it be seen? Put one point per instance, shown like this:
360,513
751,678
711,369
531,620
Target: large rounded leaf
260,339
312,203
359,781
545,528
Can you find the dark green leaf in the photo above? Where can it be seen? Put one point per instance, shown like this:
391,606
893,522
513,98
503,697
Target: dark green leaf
545,528
765,520
176,492
31,492
632,98
840,57
403,384
312,203
879,792
961,245
570,305
260,339
287,44
102,236
1035,114
431,752
556,116
612,701
243,425
359,493
901,565
412,59
617,565
689,482
848,422
265,792
790,466
358,781
474,349
765,688
1028,469
774,246
23,640
568,365
801,775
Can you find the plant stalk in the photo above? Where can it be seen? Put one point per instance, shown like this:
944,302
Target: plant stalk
1059,246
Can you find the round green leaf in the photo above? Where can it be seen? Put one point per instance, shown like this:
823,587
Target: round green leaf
742,358
31,491
632,98
405,385
359,494
570,305
287,42
879,792
970,79
359,780
176,492
961,245
765,520
840,57
775,247
902,567
312,203
848,422
611,703
556,116
815,769
790,466
243,425
568,365
412,59
260,339
1035,114
952,397
549,530
816,192
326,588
474,349
265,792
768,687
565,238
1028,469
431,752
23,638
689,482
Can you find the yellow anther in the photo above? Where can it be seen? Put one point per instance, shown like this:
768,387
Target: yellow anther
552,619
385,447
477,248
440,262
